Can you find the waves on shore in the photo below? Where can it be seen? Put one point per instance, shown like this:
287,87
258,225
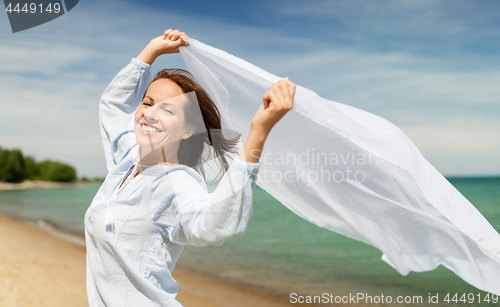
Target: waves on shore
56,232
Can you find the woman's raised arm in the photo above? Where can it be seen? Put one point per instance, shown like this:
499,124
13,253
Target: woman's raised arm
124,94
117,108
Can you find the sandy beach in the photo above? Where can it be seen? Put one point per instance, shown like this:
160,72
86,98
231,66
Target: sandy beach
39,269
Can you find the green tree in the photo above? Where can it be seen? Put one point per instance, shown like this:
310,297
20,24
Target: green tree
56,171
32,171
14,166
3,163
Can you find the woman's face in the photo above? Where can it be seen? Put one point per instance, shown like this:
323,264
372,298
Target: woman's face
160,119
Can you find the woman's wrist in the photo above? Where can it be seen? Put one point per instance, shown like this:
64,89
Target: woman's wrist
259,131
254,144
148,55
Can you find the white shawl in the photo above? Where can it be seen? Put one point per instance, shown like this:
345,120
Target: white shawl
354,173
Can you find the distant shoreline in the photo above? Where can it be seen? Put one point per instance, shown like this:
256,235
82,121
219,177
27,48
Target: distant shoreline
38,184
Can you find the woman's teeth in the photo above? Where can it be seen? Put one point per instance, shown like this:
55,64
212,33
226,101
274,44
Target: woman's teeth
149,129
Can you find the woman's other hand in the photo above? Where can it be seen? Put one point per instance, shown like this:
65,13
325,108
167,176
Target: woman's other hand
277,101
169,42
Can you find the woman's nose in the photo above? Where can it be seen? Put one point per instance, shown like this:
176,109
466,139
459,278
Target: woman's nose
150,115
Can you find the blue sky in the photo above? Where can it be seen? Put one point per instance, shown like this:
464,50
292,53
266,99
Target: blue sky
430,67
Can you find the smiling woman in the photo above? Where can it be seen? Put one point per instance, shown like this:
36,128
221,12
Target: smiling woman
160,124
181,118
154,199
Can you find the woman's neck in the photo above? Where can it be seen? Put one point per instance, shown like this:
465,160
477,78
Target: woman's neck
161,155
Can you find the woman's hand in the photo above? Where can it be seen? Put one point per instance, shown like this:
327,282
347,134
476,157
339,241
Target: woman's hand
169,42
277,101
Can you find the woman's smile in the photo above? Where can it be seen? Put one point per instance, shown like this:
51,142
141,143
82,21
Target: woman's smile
149,129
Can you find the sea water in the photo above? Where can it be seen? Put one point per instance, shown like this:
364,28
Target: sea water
284,254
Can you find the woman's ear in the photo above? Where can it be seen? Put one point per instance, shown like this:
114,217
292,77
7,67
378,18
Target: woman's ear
188,132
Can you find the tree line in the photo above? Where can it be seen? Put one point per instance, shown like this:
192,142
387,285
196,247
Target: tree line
15,167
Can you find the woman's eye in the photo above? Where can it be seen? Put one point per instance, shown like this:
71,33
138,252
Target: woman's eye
146,103
168,111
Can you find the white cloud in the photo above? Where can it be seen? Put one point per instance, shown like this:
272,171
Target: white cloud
44,58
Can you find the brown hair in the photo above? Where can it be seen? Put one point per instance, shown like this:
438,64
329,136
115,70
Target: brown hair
191,149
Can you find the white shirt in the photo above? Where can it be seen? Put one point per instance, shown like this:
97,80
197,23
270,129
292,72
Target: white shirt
135,236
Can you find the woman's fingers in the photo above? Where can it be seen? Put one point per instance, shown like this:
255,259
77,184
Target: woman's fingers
266,99
174,35
169,42
290,85
290,89
277,98
165,34
175,39
182,37
183,42
277,101
282,93
169,33
287,98
285,91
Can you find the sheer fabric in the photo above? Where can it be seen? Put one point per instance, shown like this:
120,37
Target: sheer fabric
354,173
